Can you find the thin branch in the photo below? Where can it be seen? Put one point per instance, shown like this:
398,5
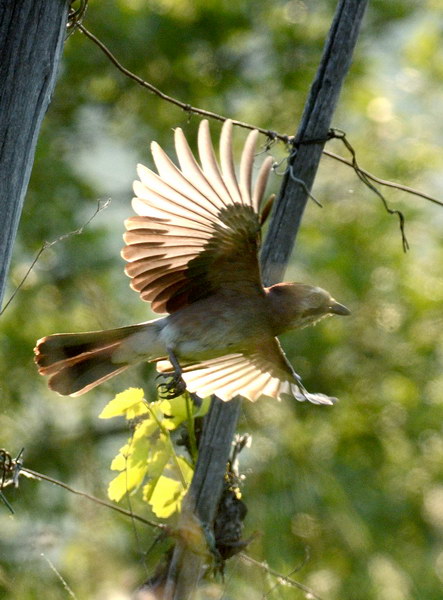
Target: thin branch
186,107
59,576
12,468
100,206
290,171
123,511
283,578
385,182
363,177
270,134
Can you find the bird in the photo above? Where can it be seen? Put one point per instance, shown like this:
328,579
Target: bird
192,252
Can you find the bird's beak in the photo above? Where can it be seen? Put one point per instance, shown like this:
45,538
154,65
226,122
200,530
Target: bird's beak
339,309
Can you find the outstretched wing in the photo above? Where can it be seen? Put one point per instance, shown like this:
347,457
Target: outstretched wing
265,372
197,229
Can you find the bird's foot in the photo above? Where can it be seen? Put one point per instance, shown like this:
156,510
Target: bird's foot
173,386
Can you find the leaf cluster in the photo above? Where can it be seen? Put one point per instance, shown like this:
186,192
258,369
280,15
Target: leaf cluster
149,461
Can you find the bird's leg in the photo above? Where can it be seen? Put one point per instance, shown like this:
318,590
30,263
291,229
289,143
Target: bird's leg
303,391
175,386
295,375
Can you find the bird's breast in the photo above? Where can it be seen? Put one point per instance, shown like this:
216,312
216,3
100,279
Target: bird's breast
216,326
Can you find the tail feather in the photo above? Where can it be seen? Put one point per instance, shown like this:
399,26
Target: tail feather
60,346
77,362
80,374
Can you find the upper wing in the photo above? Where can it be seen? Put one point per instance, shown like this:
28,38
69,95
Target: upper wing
197,228
265,372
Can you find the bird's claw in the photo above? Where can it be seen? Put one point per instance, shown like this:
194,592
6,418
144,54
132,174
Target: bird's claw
173,387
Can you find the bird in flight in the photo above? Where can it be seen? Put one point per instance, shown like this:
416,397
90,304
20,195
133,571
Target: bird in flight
192,252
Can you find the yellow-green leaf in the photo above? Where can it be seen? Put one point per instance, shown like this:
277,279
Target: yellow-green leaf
166,493
126,481
145,429
176,410
203,409
129,403
120,461
166,497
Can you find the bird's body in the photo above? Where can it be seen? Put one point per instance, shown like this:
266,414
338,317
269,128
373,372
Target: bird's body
192,252
215,326
229,322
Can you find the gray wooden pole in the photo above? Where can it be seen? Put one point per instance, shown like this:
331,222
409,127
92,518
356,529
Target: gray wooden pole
186,567
31,42
315,123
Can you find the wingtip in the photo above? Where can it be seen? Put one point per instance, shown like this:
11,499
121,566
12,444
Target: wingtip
179,136
203,128
319,399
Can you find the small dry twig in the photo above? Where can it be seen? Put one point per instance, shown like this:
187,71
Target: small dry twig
100,206
341,135
286,579
272,136
11,469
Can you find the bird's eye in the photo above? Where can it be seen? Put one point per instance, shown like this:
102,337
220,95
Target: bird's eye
313,311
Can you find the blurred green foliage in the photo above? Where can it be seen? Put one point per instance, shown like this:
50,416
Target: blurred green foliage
360,484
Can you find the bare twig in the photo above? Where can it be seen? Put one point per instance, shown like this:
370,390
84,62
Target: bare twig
286,579
76,15
186,107
119,509
366,180
21,470
270,134
385,182
100,206
290,171
59,576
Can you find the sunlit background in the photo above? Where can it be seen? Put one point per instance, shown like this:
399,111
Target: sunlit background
348,499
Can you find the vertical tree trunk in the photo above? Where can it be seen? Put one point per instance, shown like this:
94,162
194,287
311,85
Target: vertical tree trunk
31,43
186,567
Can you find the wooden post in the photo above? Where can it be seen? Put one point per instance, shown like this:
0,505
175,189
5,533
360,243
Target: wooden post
315,123
186,568
32,33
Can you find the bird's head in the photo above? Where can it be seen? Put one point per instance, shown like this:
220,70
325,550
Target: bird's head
297,305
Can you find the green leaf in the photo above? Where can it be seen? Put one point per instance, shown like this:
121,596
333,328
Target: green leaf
175,409
166,493
120,462
130,404
133,453
150,452
126,481
177,412
203,409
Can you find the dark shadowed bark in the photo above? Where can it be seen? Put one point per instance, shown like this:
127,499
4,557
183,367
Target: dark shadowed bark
31,43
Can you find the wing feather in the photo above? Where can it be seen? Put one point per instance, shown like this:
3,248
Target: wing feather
227,162
264,372
209,163
246,164
177,182
193,172
260,184
196,222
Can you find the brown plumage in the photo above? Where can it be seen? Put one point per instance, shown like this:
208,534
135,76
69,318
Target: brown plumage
192,252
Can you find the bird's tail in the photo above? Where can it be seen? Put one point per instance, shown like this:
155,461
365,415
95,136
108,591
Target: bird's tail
77,362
